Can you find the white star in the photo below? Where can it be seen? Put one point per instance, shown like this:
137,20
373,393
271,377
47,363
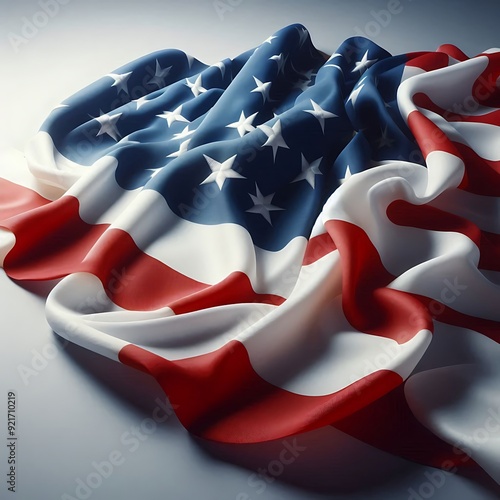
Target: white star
185,133
303,33
263,88
263,204
364,64
320,114
334,56
384,139
280,61
190,60
244,124
108,124
120,81
221,171
182,149
173,116
60,106
221,66
346,175
355,93
336,66
309,171
196,87
154,171
141,101
269,40
274,137
160,74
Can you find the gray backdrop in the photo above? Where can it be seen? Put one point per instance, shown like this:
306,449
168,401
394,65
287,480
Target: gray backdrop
77,410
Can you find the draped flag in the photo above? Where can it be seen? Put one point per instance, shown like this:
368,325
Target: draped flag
284,240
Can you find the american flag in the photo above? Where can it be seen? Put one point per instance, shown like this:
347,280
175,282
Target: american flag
284,240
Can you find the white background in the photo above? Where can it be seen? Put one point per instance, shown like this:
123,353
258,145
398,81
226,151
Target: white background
75,407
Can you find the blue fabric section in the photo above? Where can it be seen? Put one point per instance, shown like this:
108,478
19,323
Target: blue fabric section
261,140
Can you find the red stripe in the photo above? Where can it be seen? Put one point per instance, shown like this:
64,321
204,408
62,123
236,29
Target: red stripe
490,251
424,101
52,241
132,279
18,199
428,61
403,213
219,396
453,51
318,247
481,176
368,305
445,314
429,136
137,281
235,289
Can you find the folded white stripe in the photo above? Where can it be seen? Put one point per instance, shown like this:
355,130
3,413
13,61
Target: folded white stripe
208,253
469,416
436,85
14,168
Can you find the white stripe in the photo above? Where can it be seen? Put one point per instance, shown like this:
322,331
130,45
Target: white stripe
410,72
7,242
306,345
318,229
160,233
14,168
224,248
68,302
481,210
101,199
436,85
49,166
483,138
468,417
445,171
453,280
374,190
178,337
469,376
321,359
436,264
